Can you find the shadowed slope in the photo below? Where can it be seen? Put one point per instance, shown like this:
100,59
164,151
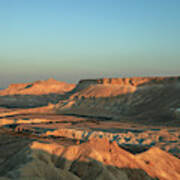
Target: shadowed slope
148,99
139,98
97,159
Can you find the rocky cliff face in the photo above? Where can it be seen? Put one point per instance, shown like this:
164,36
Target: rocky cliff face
150,98
107,87
132,81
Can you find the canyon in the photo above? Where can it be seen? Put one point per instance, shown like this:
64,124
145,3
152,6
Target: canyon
109,128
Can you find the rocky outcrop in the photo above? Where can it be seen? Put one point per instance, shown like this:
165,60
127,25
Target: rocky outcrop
132,81
97,159
108,87
133,140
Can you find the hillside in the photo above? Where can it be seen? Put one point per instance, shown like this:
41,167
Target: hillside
39,93
26,157
111,128
154,98
50,86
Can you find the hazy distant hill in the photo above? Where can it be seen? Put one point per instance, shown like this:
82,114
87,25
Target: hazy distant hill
34,94
49,86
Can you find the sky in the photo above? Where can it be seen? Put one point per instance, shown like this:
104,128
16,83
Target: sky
77,39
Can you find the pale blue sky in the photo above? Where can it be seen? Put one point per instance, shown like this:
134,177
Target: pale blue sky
75,39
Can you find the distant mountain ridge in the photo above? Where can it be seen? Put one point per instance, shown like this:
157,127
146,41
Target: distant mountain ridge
151,99
49,86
